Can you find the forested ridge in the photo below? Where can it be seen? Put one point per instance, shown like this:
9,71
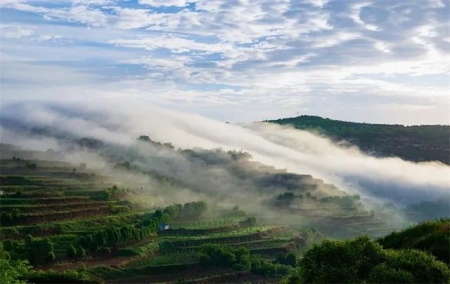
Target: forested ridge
416,143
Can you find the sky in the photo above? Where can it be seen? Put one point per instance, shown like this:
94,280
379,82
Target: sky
384,61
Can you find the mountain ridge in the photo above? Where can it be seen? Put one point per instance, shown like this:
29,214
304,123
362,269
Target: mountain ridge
416,143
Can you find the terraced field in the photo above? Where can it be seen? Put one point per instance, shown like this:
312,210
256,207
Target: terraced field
62,216
62,203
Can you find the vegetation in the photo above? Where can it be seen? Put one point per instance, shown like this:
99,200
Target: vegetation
66,223
414,143
429,236
362,260
239,259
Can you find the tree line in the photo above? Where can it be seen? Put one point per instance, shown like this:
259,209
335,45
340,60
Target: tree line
114,237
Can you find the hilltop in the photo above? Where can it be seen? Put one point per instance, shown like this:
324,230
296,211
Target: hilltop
417,143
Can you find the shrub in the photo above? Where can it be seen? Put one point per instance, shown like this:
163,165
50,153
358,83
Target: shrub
363,260
71,252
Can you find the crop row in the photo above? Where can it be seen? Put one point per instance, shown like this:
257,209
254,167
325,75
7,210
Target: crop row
207,224
49,200
50,208
168,246
27,219
76,226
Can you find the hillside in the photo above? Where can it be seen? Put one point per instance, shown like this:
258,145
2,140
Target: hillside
413,143
149,213
414,255
430,236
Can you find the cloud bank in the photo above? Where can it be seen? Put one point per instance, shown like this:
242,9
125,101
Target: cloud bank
46,125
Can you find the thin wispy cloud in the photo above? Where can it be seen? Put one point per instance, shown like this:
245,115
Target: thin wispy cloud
235,60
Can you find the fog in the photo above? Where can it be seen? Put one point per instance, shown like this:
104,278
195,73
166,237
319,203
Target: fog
40,126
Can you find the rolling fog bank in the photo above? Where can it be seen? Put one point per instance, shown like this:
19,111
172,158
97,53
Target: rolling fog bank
42,126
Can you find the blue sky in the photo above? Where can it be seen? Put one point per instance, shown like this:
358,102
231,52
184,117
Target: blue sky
234,60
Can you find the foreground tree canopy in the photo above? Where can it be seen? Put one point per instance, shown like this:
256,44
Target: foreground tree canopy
362,260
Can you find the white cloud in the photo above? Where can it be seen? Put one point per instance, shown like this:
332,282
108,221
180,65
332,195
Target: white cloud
158,3
275,51
12,31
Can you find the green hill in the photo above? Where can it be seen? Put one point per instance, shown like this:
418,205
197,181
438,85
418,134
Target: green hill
160,214
430,236
414,255
416,143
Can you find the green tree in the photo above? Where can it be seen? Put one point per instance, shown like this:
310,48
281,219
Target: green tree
71,251
363,260
11,271
81,252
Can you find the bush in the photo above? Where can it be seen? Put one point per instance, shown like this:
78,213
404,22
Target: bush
431,236
363,260
241,260
71,252
81,252
67,276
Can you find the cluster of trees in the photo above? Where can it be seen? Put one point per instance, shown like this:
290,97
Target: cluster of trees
20,272
115,237
9,218
240,259
216,156
31,166
112,238
193,210
111,194
17,180
285,199
343,201
11,270
250,221
91,143
126,166
76,252
430,236
145,138
39,250
362,260
35,250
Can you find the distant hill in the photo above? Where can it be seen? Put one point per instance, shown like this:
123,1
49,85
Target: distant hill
416,143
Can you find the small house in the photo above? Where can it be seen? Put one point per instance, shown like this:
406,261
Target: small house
163,227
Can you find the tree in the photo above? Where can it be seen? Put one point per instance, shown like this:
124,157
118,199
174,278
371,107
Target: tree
81,252
71,251
363,260
31,166
286,259
15,213
39,250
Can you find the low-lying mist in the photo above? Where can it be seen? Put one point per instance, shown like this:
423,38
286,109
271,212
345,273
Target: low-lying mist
41,126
